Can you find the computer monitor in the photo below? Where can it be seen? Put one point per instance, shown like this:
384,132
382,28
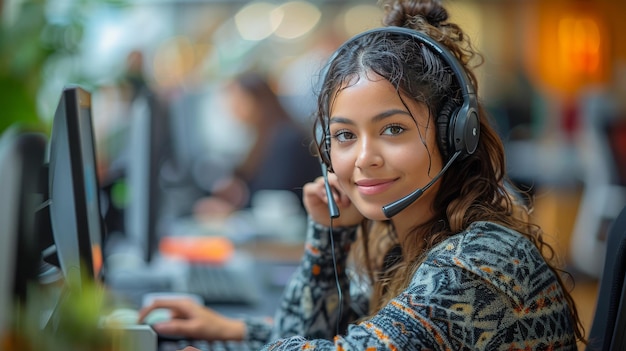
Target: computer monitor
155,167
73,188
21,160
146,145
146,140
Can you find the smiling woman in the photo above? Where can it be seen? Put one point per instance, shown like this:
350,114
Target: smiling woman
432,248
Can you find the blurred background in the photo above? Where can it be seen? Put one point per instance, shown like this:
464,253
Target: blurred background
553,79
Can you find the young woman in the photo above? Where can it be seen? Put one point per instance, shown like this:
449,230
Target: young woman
457,266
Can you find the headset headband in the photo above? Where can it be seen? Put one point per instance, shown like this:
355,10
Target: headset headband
467,88
464,125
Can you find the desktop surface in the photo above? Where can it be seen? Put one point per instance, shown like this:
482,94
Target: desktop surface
265,266
273,265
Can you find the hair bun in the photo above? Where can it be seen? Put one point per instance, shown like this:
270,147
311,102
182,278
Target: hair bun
436,15
413,13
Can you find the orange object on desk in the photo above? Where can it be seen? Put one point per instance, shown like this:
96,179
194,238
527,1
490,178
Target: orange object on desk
198,249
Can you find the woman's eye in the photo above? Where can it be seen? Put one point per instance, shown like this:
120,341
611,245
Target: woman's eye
393,130
343,135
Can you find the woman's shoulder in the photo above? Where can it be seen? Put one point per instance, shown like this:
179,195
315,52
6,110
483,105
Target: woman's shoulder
482,240
497,254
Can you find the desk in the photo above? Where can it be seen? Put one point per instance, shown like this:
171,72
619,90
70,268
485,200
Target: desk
275,257
275,263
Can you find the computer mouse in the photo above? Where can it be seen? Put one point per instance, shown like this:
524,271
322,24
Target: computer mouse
122,316
158,315
161,315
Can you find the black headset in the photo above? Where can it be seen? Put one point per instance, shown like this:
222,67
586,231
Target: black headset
458,126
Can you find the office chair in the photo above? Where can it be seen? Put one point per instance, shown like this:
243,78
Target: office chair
601,150
608,329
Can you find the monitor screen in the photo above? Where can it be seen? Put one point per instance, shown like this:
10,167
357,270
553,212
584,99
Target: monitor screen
21,160
142,177
73,187
137,168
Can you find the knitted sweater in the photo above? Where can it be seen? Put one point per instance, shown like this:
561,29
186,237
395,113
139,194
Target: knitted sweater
487,288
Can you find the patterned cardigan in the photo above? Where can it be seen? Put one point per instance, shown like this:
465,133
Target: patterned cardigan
487,288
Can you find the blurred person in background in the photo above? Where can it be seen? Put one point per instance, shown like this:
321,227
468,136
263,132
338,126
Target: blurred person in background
279,158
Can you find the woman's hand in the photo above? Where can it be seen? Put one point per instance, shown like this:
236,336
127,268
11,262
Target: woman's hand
195,321
316,203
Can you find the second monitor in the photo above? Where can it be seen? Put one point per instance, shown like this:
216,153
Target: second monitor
73,187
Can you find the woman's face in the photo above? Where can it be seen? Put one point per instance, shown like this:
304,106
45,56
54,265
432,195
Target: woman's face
382,151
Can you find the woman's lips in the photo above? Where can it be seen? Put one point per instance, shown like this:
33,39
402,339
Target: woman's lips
373,186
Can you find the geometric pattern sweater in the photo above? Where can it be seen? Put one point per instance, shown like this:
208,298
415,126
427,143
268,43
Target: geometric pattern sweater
487,288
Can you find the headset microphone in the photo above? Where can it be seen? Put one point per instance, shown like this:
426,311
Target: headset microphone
395,207
332,205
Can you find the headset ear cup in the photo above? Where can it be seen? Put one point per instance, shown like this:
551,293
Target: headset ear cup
447,113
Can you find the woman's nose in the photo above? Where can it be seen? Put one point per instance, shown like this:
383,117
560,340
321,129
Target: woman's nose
368,154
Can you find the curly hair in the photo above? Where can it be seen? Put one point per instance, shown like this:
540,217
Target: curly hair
475,188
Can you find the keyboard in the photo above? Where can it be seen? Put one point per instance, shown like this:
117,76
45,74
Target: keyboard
234,282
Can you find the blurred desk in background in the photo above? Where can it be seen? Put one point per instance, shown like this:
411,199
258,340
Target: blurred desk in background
273,265
242,275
